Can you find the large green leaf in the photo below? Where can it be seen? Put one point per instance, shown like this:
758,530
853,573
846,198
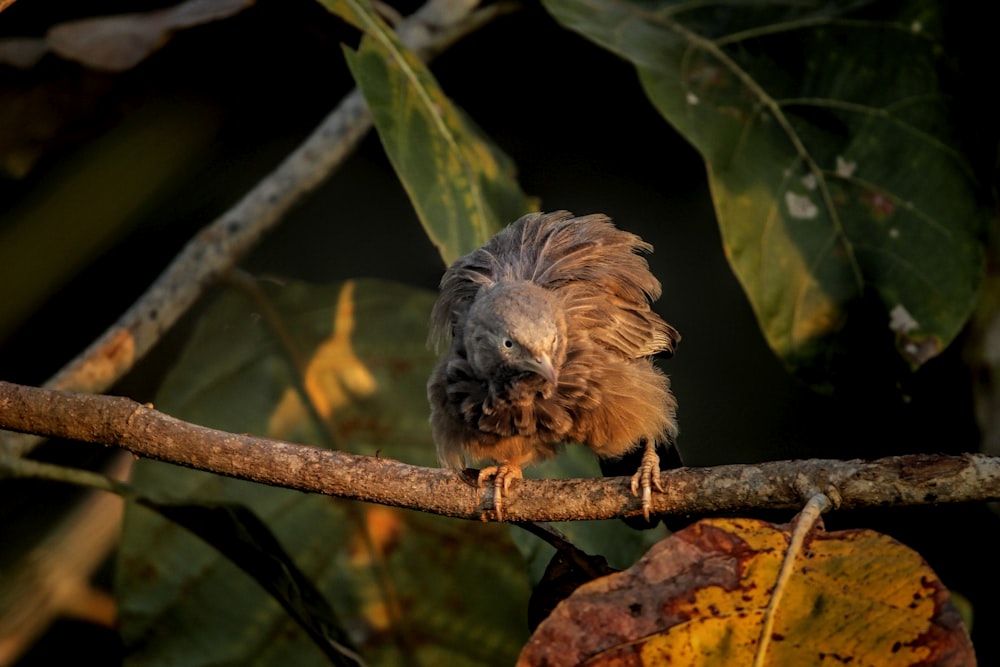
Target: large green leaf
239,535
829,157
409,588
462,186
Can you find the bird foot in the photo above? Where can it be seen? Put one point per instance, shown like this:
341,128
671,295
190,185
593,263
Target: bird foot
647,477
502,476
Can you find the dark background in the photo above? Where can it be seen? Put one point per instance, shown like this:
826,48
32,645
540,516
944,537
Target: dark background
584,137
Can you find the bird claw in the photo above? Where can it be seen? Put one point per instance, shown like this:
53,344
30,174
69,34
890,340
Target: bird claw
502,476
646,478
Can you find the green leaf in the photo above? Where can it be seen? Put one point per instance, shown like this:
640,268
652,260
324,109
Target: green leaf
462,186
410,588
239,535
829,157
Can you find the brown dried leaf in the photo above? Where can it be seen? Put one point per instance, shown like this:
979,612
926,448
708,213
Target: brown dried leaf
120,42
22,52
111,43
699,597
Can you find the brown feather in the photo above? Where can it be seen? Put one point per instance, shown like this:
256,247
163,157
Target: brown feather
572,292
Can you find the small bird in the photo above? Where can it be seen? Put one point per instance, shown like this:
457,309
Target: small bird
551,341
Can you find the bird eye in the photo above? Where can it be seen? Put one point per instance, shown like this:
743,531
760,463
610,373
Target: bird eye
508,343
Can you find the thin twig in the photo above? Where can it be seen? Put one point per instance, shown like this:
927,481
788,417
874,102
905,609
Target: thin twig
294,355
555,538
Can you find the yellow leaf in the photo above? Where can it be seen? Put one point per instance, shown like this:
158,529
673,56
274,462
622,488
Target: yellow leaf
700,597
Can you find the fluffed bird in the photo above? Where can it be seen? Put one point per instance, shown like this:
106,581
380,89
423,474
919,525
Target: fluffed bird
551,340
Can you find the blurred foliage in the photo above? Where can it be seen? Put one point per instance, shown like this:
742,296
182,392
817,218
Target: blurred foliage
119,42
70,218
343,363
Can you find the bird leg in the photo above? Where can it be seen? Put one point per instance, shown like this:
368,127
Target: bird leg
502,476
647,477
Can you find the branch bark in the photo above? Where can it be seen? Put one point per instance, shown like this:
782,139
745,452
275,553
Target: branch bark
894,481
220,245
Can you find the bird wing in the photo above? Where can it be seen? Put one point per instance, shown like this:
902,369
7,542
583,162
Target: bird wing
603,278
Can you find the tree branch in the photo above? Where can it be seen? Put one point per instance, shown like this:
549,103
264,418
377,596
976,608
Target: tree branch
218,246
895,481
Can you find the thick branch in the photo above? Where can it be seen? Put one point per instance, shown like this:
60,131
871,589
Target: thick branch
218,246
895,481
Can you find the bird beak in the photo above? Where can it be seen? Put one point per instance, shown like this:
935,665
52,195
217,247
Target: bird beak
542,365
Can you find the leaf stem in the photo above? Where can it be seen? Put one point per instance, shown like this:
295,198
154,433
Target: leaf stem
28,468
804,524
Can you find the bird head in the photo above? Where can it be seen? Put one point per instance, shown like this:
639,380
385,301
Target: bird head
513,328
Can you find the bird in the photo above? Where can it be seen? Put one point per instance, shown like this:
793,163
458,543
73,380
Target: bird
550,340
